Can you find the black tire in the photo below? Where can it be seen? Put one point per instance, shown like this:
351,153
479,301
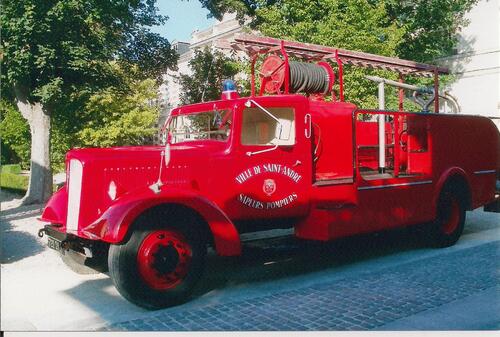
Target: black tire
449,224
126,273
83,265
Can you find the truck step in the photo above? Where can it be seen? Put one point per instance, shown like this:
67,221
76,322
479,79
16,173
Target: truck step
269,234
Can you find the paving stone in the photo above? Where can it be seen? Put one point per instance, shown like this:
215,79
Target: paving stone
364,301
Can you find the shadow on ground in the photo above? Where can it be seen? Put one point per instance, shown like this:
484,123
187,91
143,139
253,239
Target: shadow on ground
16,244
9,195
287,257
263,260
266,260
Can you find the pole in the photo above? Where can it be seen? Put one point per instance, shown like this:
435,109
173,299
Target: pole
436,90
401,94
381,128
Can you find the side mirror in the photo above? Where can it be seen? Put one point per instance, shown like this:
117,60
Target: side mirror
284,134
283,129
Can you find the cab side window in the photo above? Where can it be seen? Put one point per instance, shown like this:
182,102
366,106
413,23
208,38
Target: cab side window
259,128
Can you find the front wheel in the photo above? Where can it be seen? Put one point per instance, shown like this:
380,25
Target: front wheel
450,220
157,268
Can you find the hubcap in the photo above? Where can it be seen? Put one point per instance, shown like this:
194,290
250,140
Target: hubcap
163,259
452,217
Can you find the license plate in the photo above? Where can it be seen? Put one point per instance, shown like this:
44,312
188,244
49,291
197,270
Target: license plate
54,244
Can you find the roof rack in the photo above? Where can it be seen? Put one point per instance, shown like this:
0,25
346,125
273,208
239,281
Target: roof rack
257,45
253,44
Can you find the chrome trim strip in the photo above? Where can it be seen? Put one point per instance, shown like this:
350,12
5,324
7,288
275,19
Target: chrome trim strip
485,172
395,185
74,194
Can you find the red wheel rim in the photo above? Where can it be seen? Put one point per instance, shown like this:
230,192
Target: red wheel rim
163,259
452,217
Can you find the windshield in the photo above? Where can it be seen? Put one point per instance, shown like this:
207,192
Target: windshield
206,125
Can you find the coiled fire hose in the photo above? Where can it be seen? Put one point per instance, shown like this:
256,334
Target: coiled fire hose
308,78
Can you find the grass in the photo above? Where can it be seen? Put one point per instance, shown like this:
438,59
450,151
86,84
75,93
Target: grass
13,182
11,168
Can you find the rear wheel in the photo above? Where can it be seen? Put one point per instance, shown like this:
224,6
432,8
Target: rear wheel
449,223
158,267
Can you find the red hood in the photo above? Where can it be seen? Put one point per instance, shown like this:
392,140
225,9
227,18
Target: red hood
125,169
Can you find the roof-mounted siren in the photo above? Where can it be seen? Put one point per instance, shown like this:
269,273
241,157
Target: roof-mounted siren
308,78
229,90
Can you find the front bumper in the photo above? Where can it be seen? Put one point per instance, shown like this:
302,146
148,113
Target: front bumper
85,247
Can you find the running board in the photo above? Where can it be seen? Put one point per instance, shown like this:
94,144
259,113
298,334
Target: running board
269,234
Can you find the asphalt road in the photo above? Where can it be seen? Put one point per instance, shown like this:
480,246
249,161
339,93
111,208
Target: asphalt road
387,281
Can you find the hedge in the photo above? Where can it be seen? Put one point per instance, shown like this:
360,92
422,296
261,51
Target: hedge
11,168
13,182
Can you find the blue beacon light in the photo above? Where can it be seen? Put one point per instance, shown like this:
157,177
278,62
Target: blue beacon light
229,90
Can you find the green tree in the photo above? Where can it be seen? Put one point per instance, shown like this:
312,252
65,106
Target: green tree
242,8
418,30
431,26
54,49
208,70
114,117
350,24
15,136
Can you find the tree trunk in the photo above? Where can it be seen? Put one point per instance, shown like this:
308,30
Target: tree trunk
38,117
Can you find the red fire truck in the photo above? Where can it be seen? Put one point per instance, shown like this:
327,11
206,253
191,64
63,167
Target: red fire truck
290,156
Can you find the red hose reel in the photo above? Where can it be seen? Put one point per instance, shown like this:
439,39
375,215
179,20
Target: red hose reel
307,78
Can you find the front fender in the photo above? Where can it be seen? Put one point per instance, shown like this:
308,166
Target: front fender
114,224
56,208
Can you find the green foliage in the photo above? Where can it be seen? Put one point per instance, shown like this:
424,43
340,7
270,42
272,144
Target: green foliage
65,125
11,168
151,53
13,182
217,8
431,26
15,135
63,53
350,24
209,69
418,30
114,117
54,48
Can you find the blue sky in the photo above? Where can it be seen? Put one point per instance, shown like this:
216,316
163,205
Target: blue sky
184,17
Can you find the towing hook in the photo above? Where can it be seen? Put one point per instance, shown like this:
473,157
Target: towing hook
65,245
41,232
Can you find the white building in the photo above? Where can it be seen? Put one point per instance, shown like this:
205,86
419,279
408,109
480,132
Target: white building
224,29
476,65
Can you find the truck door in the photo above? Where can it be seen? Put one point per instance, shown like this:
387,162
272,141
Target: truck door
272,173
